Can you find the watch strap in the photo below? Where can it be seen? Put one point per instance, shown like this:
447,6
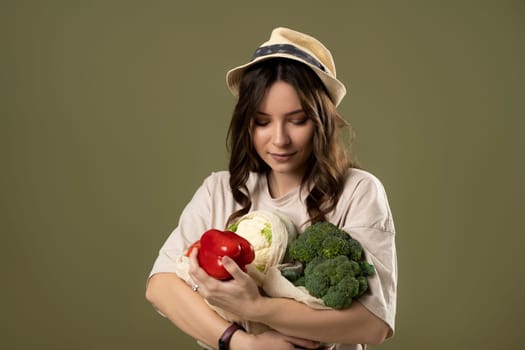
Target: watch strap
224,340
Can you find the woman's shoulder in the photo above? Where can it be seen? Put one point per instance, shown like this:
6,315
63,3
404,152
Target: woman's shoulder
365,188
362,178
218,176
365,201
216,179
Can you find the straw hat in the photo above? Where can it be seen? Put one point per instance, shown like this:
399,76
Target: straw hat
297,46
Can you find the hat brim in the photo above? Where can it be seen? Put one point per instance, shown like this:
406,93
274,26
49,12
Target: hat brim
335,88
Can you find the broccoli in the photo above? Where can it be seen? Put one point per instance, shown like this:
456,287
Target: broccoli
293,272
326,240
334,280
340,296
366,268
312,264
363,285
356,250
299,282
334,267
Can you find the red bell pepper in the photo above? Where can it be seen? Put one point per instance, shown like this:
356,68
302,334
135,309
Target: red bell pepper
196,244
214,244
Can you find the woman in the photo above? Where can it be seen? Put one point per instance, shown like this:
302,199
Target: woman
287,155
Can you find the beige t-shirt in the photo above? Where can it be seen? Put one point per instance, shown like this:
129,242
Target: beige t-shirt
362,211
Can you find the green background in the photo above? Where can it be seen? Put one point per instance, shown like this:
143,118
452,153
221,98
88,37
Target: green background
113,112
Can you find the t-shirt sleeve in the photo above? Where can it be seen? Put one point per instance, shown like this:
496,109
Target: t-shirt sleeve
193,222
368,219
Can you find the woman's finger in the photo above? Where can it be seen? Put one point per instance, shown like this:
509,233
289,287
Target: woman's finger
231,266
197,274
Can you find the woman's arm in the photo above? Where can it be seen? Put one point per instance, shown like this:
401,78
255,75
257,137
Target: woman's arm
355,325
190,313
185,308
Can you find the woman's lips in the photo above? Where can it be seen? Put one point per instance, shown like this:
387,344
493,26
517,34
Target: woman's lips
281,157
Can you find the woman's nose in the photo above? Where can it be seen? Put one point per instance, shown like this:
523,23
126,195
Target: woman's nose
280,135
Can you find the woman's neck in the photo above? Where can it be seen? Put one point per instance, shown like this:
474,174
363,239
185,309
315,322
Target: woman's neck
281,184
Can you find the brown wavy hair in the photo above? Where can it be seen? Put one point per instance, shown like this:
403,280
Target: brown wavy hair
330,160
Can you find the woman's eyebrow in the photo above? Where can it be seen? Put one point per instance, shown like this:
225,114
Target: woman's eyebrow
297,111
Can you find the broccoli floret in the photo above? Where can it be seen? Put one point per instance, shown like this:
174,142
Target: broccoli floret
312,264
356,250
363,285
335,280
344,267
336,268
333,246
367,269
317,283
321,239
300,251
325,274
340,295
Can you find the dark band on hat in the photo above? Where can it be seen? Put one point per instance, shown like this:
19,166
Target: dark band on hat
290,50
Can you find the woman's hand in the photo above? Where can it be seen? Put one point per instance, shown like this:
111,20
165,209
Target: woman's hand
239,296
236,295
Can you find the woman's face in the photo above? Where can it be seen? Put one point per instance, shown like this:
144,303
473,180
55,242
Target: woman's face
282,133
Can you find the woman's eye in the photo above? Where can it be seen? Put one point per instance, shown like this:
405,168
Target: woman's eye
299,121
260,122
